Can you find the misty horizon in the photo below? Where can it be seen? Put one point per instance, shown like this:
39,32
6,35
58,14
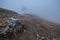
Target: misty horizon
47,9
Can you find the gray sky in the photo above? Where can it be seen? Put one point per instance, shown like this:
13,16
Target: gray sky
48,9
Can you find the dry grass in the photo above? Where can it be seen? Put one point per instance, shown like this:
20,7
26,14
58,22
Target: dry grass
33,26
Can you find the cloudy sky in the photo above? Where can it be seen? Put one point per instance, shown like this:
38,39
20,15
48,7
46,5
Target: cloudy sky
47,9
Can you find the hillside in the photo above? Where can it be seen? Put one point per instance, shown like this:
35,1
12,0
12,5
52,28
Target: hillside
32,27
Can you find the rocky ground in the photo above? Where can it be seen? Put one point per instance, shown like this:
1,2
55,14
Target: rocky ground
32,27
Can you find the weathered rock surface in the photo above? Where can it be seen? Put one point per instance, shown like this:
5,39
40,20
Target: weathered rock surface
33,28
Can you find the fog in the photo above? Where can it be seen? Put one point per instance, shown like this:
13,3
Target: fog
47,9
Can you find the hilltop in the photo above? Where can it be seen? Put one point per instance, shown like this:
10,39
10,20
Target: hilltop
34,27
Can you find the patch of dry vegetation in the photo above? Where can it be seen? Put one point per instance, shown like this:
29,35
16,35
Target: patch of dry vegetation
33,26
